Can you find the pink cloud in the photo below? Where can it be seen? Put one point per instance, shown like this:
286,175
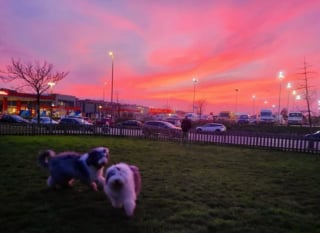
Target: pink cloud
160,45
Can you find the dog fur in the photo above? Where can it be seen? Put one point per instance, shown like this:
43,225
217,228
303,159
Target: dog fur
122,186
66,167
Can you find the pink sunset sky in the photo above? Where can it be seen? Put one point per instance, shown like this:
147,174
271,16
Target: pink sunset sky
160,46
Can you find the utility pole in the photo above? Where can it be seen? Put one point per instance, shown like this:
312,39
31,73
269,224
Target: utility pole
306,87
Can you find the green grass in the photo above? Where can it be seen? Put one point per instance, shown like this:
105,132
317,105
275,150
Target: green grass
186,188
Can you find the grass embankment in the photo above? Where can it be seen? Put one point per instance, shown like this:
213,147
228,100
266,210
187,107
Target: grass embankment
186,188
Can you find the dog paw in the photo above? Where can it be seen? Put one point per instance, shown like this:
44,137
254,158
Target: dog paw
129,208
94,186
71,182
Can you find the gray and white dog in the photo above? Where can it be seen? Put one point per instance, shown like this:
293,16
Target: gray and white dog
69,166
122,186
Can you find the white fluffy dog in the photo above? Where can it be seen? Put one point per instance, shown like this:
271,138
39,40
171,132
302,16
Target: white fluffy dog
122,186
69,166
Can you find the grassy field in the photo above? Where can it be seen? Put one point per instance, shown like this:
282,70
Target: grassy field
186,188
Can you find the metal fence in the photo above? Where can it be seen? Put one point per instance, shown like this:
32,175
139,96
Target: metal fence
252,140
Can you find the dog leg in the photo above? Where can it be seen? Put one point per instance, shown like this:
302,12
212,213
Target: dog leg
50,182
71,182
115,202
100,180
94,186
129,207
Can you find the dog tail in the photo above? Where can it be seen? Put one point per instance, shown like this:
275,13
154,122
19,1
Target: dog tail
137,179
44,157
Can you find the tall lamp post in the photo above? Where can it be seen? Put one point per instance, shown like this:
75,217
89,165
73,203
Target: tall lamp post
289,86
194,80
236,106
281,77
112,61
51,84
103,94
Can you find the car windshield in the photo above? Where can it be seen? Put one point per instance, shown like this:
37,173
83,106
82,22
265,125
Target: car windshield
296,114
266,114
224,114
169,125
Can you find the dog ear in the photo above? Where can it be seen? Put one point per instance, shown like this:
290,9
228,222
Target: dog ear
137,178
44,156
93,157
110,173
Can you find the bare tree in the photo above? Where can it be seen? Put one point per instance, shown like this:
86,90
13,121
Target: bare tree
201,105
306,88
36,76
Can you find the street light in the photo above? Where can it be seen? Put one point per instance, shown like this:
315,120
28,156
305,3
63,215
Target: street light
298,98
294,93
100,109
194,80
51,84
281,77
112,61
103,94
289,86
236,106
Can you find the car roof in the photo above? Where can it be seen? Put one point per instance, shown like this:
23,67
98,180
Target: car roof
162,122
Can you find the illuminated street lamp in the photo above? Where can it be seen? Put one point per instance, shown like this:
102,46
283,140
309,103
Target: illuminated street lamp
281,77
51,84
298,98
289,86
100,113
236,105
294,93
103,94
112,61
194,80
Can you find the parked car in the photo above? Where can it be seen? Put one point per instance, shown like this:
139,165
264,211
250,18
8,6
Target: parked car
8,118
295,118
226,116
192,116
174,121
44,120
102,122
313,136
130,124
73,121
161,128
253,119
243,119
266,117
211,127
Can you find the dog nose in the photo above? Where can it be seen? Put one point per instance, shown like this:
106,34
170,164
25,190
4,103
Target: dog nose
117,184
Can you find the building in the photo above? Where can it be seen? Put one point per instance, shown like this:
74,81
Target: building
57,105
25,104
